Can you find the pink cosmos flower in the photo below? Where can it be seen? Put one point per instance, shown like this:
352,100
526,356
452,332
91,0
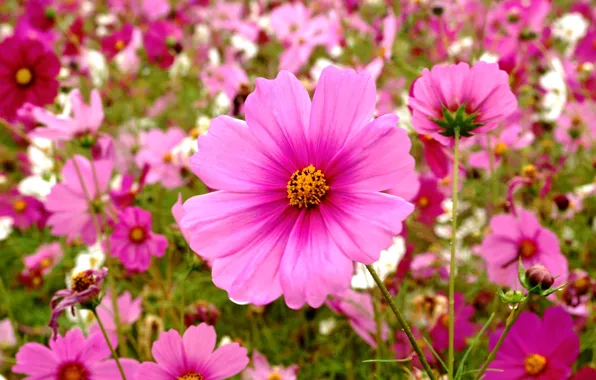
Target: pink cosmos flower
85,121
576,295
226,78
156,151
576,127
117,41
41,14
27,74
72,214
162,41
464,328
84,288
45,258
429,264
301,189
522,237
512,137
192,357
482,91
23,209
264,371
358,308
129,311
585,50
133,242
178,214
7,335
429,201
535,348
72,357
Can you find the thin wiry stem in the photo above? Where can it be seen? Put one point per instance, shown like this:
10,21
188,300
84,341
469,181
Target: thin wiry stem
105,335
451,353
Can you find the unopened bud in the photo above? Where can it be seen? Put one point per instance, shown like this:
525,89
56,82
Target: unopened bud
562,202
537,274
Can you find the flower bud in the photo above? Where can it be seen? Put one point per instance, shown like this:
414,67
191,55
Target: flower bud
562,202
537,274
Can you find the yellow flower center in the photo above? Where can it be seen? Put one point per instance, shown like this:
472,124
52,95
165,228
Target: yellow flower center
137,235
24,76
119,45
46,263
19,206
167,158
307,187
529,171
191,376
444,321
534,364
500,149
423,202
82,281
527,249
581,284
195,133
274,376
73,371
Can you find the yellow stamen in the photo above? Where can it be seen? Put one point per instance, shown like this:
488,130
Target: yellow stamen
19,206
46,263
423,201
500,149
444,320
82,281
24,76
191,376
527,249
274,376
534,364
137,235
119,45
167,158
307,187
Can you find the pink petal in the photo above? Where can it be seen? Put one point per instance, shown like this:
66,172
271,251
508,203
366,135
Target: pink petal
199,342
344,103
226,362
231,158
36,360
169,353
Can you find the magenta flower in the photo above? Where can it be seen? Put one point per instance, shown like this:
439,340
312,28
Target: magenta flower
24,210
358,308
72,213
535,348
178,214
429,201
72,357
84,289
133,242
480,92
85,121
44,259
41,14
512,238
117,41
585,50
576,127
192,357
27,74
308,180
264,371
464,328
156,151
403,348
162,41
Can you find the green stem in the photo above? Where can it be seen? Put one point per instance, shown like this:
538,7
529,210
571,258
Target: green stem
513,315
379,332
451,356
11,317
402,322
105,335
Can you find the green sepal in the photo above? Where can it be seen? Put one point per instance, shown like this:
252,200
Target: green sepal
458,121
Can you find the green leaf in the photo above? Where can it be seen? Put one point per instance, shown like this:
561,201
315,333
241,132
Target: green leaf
436,354
460,368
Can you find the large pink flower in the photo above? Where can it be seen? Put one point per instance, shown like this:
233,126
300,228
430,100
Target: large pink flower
482,91
536,349
72,357
192,357
27,74
522,236
301,189
75,201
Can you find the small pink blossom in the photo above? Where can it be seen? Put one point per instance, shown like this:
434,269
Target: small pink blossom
44,259
156,151
262,370
133,240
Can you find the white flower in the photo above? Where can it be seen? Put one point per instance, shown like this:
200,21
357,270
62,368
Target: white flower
570,27
224,340
201,35
5,227
38,186
98,67
554,100
386,265
181,66
5,31
221,104
82,318
460,45
489,57
92,258
326,326
182,152
248,48
319,66
41,159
